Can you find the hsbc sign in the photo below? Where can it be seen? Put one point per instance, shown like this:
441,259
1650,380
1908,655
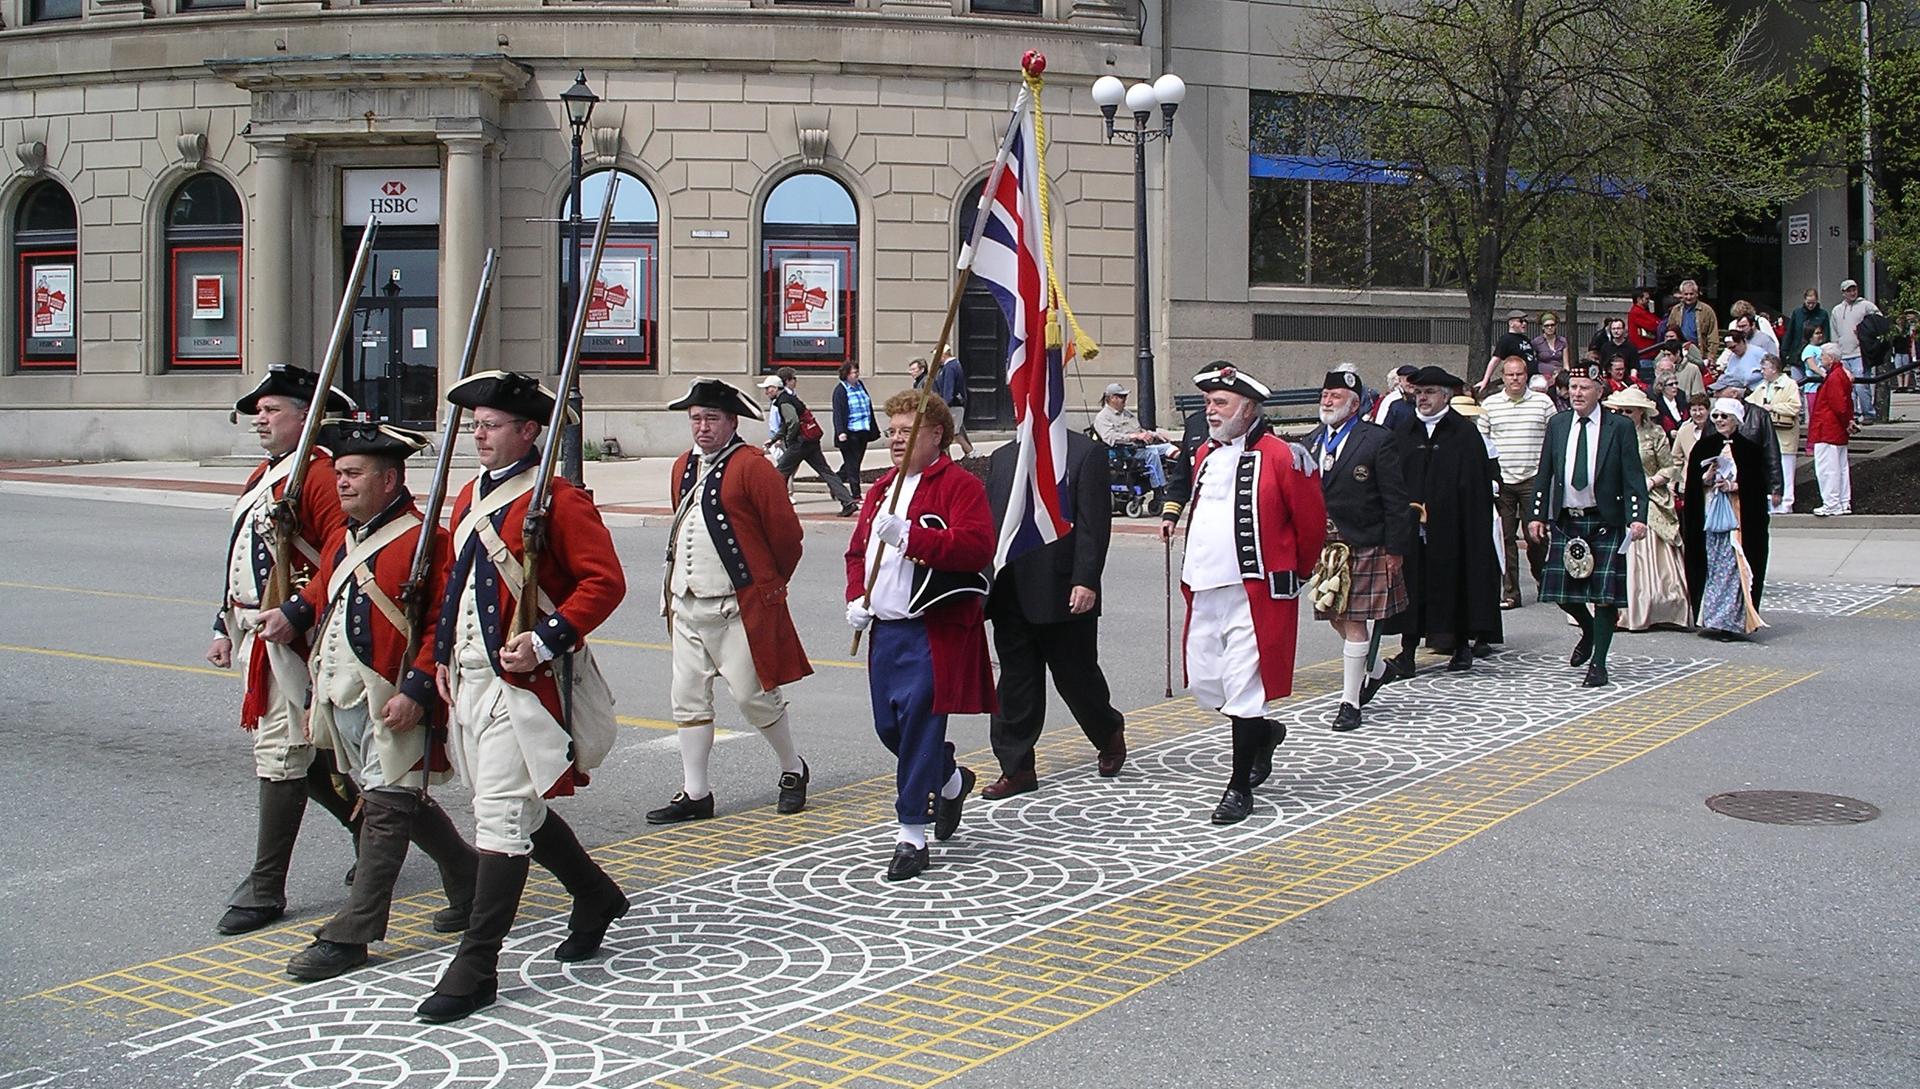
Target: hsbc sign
397,196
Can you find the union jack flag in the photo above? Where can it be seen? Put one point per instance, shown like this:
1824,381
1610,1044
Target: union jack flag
1010,260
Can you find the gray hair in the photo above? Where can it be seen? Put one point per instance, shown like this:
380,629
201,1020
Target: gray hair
1831,351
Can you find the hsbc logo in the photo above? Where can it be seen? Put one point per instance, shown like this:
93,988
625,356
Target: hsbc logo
394,188
394,195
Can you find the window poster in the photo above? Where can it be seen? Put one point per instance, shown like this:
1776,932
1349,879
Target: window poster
52,300
614,307
209,298
809,298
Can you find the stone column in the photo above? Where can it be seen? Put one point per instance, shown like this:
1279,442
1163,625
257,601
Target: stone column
463,245
270,333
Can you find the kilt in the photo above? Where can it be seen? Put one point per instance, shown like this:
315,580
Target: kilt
1608,583
1377,592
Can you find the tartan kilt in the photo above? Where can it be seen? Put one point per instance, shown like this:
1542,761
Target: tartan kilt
1608,583
1377,592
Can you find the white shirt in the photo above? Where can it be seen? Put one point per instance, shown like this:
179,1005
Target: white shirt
1386,402
1212,558
1845,330
893,586
1571,496
1518,427
1745,367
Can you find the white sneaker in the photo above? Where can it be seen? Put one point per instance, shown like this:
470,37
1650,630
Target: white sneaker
1823,511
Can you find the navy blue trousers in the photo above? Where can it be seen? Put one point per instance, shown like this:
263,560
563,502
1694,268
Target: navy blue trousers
900,680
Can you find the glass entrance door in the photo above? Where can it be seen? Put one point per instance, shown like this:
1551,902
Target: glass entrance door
391,363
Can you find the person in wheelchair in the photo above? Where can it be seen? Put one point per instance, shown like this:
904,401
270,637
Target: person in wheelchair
1119,426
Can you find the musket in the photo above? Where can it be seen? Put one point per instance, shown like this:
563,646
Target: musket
413,594
526,610
286,511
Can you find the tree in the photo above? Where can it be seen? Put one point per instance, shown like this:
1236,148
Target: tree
1517,121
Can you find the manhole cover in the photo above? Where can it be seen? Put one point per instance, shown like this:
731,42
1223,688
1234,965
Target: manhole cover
1792,807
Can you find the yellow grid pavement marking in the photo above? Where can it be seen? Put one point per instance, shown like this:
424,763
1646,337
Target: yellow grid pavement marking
90,592
977,1011
165,991
108,659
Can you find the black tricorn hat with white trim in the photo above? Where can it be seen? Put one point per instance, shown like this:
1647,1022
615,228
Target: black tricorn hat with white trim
1222,375
294,383
507,391
364,436
713,393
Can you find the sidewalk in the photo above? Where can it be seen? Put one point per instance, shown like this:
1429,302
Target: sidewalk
1864,550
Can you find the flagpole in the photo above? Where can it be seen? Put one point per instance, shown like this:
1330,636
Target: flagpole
964,266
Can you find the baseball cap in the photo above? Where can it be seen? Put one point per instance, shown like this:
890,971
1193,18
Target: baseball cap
771,381
1845,284
1115,389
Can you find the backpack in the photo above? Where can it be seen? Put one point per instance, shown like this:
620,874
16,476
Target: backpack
1873,332
810,430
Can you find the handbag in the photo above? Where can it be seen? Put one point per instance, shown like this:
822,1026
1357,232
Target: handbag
1719,517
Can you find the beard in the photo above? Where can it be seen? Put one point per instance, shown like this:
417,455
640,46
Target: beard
1230,428
1334,417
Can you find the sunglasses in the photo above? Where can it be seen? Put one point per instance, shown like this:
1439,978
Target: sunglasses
1718,416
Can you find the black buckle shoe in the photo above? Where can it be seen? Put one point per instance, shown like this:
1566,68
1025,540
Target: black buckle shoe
908,861
946,813
439,1009
1462,660
1582,652
680,808
1596,676
1262,767
239,920
1234,807
325,960
1347,719
793,789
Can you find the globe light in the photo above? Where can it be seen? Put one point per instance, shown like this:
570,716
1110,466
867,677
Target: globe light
1140,99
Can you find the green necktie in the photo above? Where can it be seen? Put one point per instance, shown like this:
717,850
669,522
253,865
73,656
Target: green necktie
1580,458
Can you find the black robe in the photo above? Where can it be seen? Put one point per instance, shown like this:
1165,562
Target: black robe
1453,577
1750,462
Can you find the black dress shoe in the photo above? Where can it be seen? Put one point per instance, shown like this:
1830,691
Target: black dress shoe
681,808
1347,719
1482,649
324,960
1462,660
451,920
1596,676
1019,782
245,920
1401,666
1234,807
1262,768
848,510
946,814
1582,652
584,943
1372,685
1113,756
439,1009
793,789
908,861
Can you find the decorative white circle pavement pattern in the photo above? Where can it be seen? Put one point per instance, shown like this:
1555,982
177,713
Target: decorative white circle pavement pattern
737,955
1825,598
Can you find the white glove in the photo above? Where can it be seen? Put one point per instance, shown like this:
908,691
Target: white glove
858,616
892,529
1303,459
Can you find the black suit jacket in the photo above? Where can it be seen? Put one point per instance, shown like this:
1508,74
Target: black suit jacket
1366,489
1619,482
1037,584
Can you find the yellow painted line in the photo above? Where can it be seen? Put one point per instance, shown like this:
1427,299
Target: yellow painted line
646,723
111,660
837,663
105,593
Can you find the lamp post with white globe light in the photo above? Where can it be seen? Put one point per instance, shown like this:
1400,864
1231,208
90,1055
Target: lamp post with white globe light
1167,92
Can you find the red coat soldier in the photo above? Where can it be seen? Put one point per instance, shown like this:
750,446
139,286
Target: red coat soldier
273,704
515,740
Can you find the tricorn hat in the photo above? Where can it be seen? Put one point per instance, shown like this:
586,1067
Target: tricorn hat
1339,378
507,391
713,393
1436,376
296,383
1222,375
362,436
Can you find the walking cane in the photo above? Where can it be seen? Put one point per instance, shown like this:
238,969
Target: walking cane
1166,546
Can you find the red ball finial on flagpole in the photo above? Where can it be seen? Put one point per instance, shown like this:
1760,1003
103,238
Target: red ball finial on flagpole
1033,62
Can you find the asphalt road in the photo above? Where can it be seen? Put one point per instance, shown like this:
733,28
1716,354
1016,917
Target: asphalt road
1615,934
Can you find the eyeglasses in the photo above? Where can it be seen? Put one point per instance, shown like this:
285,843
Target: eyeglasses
896,433
1718,416
1549,324
494,425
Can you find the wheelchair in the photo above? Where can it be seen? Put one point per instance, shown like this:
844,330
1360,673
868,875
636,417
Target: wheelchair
1130,486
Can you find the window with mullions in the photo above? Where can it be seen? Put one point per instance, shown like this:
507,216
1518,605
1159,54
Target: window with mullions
53,11
623,314
809,253
46,251
1007,7
205,290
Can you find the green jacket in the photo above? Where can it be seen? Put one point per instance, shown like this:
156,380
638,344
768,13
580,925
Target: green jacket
1619,483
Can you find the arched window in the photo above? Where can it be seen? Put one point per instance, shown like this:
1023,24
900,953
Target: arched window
46,250
205,291
809,252
623,318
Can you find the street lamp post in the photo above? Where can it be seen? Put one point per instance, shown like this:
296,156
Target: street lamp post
579,100
1167,92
